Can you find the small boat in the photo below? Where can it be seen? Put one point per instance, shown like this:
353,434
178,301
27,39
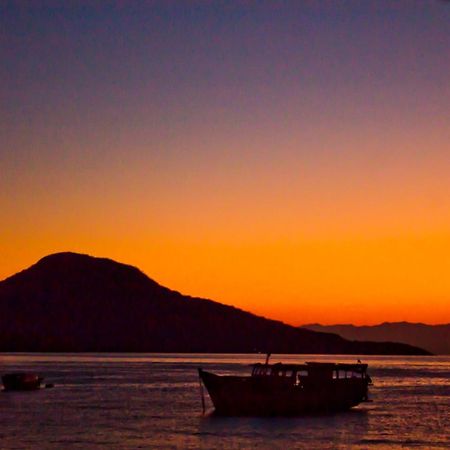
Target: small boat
21,381
288,389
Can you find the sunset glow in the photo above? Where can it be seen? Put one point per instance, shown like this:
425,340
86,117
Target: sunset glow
288,158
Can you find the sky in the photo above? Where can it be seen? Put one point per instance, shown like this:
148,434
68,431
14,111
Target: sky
290,158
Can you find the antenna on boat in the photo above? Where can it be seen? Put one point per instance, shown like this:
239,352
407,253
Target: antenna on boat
267,358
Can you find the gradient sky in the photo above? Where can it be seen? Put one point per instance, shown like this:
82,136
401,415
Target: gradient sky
291,158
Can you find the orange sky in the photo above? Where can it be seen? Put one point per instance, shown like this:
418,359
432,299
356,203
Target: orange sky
324,247
293,161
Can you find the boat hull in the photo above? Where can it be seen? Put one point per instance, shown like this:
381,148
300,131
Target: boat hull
21,382
263,396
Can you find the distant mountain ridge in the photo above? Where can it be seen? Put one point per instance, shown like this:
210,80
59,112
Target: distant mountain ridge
434,338
68,302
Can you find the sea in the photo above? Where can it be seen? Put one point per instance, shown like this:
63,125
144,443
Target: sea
152,401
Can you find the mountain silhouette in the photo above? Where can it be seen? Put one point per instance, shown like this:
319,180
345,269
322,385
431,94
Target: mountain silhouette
69,302
434,338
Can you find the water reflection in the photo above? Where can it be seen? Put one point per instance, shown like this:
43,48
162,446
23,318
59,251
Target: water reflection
335,426
152,401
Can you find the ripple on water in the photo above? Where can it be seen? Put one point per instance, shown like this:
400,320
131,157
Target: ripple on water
152,401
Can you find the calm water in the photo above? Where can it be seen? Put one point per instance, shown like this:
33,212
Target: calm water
153,401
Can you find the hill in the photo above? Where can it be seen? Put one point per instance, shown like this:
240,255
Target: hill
77,303
434,338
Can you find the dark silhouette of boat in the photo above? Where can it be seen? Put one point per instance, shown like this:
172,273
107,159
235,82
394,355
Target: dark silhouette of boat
288,389
21,381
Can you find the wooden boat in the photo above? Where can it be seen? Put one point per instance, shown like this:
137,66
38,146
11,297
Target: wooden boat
21,381
288,389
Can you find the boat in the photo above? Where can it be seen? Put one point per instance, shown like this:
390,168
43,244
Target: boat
21,381
288,389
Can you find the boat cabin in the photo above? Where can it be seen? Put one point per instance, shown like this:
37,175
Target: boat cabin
310,371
